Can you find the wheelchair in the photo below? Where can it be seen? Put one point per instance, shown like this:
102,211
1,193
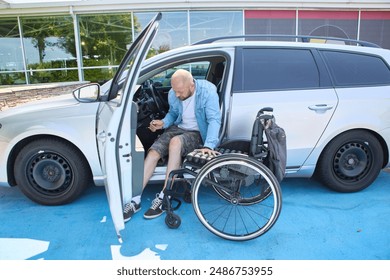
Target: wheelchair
234,194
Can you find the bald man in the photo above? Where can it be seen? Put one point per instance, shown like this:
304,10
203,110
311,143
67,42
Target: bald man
193,121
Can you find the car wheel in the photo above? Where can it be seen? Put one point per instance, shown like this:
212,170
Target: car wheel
51,172
350,162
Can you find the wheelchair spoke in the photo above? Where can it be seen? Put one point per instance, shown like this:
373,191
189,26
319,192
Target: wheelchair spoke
237,200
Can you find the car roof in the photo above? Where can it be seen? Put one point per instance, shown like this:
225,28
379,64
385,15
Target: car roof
221,45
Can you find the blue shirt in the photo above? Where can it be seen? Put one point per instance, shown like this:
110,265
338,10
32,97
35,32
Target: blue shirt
207,112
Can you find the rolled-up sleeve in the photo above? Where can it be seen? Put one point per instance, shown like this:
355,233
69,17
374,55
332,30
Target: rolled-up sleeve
208,113
213,119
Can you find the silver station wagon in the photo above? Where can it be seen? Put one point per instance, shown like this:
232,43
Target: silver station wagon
333,100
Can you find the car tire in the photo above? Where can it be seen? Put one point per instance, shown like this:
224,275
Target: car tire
51,172
350,162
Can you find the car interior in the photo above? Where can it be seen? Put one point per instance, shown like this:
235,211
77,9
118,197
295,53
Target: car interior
152,96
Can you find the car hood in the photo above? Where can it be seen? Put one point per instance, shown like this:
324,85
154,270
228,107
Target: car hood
44,105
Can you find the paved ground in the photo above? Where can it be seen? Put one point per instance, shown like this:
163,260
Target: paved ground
315,224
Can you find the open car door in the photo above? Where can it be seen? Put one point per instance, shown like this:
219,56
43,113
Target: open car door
121,160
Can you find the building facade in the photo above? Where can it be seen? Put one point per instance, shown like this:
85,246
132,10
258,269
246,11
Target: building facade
86,40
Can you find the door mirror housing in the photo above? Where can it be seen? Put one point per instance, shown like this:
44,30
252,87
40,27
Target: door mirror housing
88,93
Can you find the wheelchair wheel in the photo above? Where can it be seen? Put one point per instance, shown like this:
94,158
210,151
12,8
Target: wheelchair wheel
172,220
263,194
236,197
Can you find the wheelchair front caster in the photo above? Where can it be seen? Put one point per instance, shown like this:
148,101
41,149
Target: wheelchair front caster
172,220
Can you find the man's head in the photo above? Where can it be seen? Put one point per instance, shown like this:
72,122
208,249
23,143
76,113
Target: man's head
183,84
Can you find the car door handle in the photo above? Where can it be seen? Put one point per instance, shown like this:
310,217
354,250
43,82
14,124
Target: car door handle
101,136
320,108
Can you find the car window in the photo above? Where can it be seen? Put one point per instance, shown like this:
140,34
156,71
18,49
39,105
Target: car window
353,69
199,70
262,69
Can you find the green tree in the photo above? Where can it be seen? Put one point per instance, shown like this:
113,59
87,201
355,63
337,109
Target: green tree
39,29
105,37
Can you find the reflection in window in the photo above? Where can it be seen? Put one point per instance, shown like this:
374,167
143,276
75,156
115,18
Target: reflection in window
49,41
104,39
173,30
99,74
49,44
204,25
11,59
341,24
375,27
270,22
52,75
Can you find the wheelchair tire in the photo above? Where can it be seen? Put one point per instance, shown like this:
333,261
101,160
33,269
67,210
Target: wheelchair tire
236,197
172,220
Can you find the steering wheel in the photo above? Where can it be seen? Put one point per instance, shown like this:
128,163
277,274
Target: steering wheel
160,104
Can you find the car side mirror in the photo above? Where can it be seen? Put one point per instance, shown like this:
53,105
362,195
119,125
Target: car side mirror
88,93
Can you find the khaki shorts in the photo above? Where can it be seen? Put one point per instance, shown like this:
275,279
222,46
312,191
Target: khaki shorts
190,140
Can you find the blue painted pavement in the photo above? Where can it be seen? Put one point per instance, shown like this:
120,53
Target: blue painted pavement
315,224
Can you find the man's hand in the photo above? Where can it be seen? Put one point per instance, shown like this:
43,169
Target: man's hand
156,125
207,151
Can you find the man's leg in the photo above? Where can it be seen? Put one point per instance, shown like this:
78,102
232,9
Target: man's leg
174,162
150,164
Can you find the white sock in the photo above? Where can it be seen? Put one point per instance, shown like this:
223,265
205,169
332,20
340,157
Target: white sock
161,196
137,199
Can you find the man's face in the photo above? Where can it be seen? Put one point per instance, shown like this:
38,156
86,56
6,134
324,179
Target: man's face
183,90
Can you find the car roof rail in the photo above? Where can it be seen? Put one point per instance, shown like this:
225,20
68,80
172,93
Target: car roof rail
303,38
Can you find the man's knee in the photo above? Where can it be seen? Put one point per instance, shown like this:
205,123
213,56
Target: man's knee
175,144
153,154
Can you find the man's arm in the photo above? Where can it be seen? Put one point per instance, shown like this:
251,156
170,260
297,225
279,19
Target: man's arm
173,111
213,118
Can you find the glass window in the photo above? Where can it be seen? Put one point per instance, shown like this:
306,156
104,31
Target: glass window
12,78
11,58
270,22
104,38
198,70
341,24
275,69
350,69
375,27
49,45
10,51
52,76
204,25
173,30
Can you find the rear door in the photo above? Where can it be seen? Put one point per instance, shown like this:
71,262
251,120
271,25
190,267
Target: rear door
294,82
118,145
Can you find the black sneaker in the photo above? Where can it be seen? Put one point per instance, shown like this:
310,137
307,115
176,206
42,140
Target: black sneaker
155,210
129,210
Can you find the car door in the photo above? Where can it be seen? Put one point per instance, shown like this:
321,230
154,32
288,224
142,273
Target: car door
292,81
118,145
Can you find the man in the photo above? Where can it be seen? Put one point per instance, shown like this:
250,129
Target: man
193,120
